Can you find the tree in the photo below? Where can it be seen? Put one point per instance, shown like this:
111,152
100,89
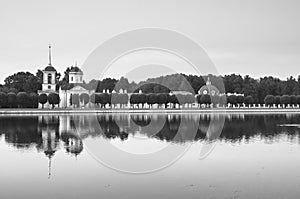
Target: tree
43,98
93,98
285,100
134,99
277,100
162,98
205,99
104,98
293,99
23,100
3,100
240,99
269,100
84,97
33,100
173,100
189,99
249,100
106,84
74,100
124,99
232,99
151,99
23,82
143,99
53,99
11,100
298,99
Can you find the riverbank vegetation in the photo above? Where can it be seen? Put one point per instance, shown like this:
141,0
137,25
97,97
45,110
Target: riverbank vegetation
20,91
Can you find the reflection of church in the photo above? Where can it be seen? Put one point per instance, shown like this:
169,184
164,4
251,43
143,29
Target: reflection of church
54,135
75,85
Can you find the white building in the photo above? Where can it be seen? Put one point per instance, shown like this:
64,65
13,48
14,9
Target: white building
74,87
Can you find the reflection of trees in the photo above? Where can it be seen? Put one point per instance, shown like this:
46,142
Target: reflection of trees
21,132
47,132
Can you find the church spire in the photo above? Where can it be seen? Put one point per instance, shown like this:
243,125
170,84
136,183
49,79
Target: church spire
49,168
50,55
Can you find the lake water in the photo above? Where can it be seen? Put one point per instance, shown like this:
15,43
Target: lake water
150,156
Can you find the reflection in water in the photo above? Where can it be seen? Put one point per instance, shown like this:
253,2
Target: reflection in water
271,141
50,133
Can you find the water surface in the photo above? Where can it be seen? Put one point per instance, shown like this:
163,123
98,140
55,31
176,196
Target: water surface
50,156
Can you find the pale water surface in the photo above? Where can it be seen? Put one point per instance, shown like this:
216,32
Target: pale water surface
50,156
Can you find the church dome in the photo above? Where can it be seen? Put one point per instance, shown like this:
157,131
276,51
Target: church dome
50,68
75,70
208,89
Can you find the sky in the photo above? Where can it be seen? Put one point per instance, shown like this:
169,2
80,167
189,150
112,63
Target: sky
257,37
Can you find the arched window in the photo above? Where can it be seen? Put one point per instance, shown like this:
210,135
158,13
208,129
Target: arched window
49,78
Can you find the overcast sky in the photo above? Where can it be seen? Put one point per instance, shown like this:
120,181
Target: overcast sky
255,37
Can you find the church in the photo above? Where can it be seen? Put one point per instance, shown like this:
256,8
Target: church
65,92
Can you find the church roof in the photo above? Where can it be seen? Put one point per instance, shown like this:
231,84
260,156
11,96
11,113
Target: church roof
75,70
50,68
209,87
70,86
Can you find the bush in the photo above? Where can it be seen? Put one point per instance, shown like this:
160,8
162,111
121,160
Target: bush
43,98
173,99
298,99
23,100
124,99
12,100
143,99
134,99
119,98
3,100
189,99
104,98
93,98
269,100
53,99
152,99
162,98
74,100
34,100
240,99
277,100
205,99
285,100
249,100
85,98
293,99
232,99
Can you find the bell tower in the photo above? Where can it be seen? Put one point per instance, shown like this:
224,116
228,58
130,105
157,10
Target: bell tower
49,76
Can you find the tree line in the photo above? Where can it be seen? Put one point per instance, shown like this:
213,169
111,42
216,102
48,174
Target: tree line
142,100
258,89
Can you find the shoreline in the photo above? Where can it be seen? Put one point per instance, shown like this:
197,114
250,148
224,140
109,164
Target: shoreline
149,111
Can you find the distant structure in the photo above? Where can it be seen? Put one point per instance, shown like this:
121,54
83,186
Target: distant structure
208,89
49,80
75,85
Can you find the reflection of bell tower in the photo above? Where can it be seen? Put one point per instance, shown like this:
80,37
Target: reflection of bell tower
50,137
49,76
